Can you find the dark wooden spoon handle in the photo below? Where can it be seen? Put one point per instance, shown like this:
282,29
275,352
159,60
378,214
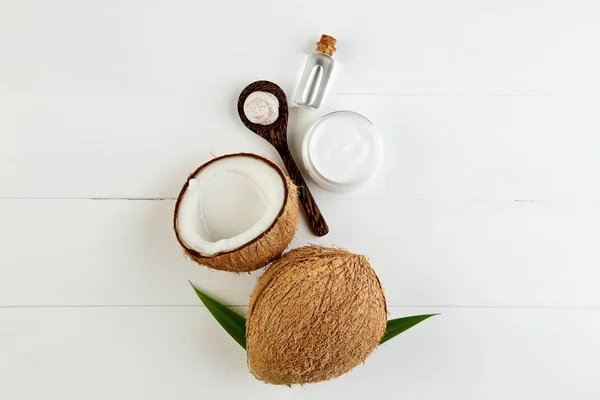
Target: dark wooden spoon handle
313,214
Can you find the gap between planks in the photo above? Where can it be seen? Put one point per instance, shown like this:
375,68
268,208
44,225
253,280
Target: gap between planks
417,200
473,95
591,308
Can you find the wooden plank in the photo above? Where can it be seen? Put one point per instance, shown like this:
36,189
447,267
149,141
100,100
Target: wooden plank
409,47
436,148
123,252
167,352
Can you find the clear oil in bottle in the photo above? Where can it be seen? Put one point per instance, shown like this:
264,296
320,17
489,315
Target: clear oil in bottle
317,72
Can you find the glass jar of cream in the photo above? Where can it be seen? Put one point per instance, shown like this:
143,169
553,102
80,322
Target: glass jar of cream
341,151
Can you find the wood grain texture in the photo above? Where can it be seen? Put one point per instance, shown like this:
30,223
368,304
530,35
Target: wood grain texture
410,48
511,254
276,135
486,207
165,352
444,148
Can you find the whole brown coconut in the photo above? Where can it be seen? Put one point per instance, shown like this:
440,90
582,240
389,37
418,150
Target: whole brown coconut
315,314
264,244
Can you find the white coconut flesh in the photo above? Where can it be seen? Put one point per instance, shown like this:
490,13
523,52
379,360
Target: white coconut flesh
229,203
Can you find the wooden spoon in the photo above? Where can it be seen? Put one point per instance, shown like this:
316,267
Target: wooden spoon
276,134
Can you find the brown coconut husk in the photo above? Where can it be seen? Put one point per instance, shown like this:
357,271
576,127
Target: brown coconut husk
315,314
263,249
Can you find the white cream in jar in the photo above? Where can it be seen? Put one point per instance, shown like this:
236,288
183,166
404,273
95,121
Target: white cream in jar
342,150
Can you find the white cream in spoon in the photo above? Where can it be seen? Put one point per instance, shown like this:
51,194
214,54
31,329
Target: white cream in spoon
261,108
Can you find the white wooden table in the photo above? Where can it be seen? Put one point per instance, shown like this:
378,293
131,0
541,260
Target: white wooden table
486,209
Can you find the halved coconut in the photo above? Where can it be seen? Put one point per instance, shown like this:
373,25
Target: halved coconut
236,213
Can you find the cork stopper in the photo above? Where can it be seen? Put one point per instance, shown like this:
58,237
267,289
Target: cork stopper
326,45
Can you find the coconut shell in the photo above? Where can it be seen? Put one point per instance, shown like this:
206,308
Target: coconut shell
315,314
263,249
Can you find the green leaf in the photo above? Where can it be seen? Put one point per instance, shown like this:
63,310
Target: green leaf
399,325
231,321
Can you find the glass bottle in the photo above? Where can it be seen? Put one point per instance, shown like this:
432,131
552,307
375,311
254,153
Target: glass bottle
316,74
